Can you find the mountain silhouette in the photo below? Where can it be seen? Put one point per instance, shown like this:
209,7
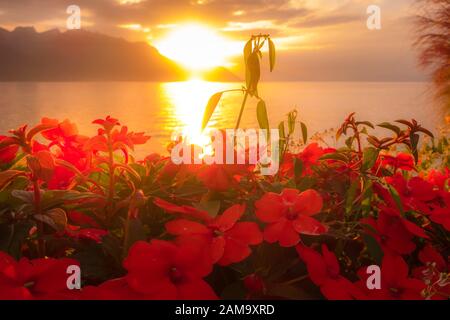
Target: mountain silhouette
79,55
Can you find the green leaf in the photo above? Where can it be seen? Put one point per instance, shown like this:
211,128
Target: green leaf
366,123
7,176
338,156
414,138
349,142
373,248
25,196
298,168
254,73
272,54
370,156
304,132
292,116
210,206
39,128
261,113
391,127
427,132
136,232
13,236
396,197
281,130
210,107
351,194
58,217
248,50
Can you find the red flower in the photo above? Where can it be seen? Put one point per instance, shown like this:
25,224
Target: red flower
185,210
115,289
324,272
441,216
163,270
289,214
433,273
61,131
228,239
430,255
115,139
402,161
438,178
123,137
394,233
440,212
107,123
85,227
7,153
415,193
34,279
309,156
86,233
395,281
222,177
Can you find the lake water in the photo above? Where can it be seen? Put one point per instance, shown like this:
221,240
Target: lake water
160,108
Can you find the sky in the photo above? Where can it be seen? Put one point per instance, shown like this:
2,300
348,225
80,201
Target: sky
317,40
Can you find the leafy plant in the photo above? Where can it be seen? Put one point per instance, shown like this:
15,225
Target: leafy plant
252,61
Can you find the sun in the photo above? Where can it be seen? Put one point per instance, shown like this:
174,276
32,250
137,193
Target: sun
196,47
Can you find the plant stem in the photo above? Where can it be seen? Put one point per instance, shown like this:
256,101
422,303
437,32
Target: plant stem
242,109
40,224
301,278
110,209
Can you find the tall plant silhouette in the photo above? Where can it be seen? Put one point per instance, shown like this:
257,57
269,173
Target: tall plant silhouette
252,57
433,25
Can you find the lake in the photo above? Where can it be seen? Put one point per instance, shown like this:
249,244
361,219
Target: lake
161,108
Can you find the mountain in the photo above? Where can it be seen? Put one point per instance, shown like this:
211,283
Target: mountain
78,55
221,74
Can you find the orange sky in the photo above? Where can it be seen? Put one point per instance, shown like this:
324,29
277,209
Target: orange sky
316,39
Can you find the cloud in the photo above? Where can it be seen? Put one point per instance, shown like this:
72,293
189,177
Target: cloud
325,21
331,31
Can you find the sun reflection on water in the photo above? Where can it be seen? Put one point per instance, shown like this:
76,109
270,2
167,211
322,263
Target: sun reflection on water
187,102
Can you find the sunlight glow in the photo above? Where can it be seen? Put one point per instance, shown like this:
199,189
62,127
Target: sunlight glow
197,47
189,100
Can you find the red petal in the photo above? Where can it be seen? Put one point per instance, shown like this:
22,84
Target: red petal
245,232
283,232
308,203
414,229
331,261
307,225
217,248
234,252
184,227
394,270
196,289
315,264
170,207
270,207
230,217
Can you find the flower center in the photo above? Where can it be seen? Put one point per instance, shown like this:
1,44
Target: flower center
291,215
175,275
